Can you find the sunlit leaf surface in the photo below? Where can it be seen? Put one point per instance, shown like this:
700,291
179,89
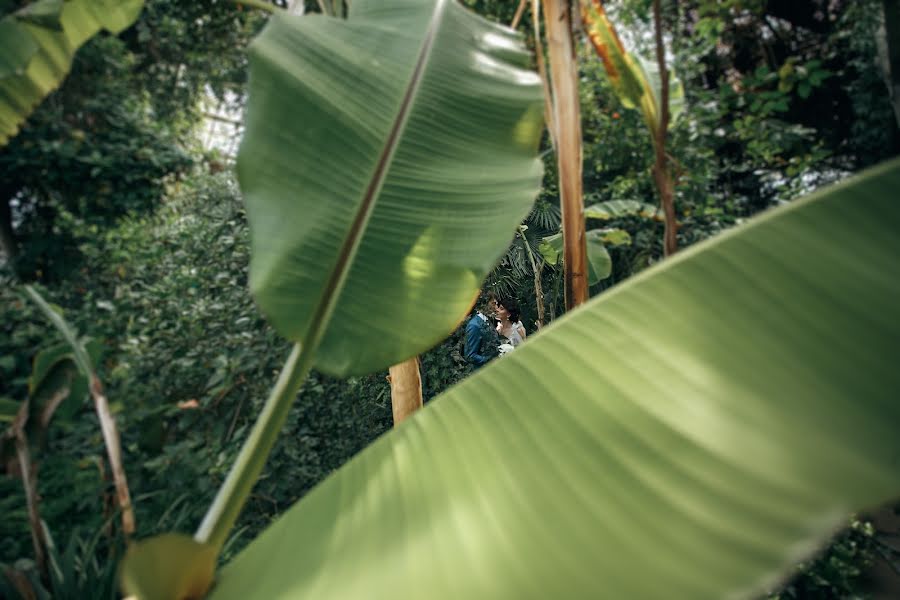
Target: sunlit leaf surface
688,434
387,161
599,261
168,567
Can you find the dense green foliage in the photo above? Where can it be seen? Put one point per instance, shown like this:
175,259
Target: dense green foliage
637,425
780,101
105,143
83,160
114,210
187,362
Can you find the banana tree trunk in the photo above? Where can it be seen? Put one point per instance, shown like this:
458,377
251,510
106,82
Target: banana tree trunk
666,189
406,389
542,71
567,122
661,175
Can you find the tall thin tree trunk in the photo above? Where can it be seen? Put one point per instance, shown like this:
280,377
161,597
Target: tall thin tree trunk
661,175
539,294
101,404
538,288
567,121
406,389
542,71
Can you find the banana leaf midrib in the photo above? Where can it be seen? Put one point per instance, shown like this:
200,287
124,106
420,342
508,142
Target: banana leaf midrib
338,273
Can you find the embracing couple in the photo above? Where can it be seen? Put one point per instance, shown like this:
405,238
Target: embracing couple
494,329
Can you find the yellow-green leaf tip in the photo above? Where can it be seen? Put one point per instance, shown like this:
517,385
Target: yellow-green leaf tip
171,566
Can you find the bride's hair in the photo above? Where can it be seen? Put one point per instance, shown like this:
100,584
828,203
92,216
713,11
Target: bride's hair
512,307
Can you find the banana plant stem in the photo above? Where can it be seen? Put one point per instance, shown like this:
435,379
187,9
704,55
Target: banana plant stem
542,71
101,404
233,494
567,122
518,16
406,389
661,175
538,290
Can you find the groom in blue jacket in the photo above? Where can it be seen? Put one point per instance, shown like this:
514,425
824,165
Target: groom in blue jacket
482,341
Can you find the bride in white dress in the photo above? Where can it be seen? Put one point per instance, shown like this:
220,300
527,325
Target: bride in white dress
509,326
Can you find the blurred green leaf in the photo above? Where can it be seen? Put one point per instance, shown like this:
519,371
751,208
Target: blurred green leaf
188,568
45,361
551,248
691,434
612,236
654,81
8,363
599,261
616,209
61,391
37,44
8,409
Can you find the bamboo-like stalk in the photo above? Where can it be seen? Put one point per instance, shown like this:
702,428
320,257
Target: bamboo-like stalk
567,120
539,293
519,12
114,452
29,484
538,288
542,71
101,404
661,175
406,389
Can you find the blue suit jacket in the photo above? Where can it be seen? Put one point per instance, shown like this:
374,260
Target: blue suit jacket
481,341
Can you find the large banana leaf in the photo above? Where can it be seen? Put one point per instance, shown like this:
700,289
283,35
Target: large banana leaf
636,80
56,368
386,163
617,209
688,434
56,390
599,261
625,75
38,43
654,86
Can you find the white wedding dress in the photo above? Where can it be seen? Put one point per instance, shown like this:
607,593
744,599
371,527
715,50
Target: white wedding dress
513,336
